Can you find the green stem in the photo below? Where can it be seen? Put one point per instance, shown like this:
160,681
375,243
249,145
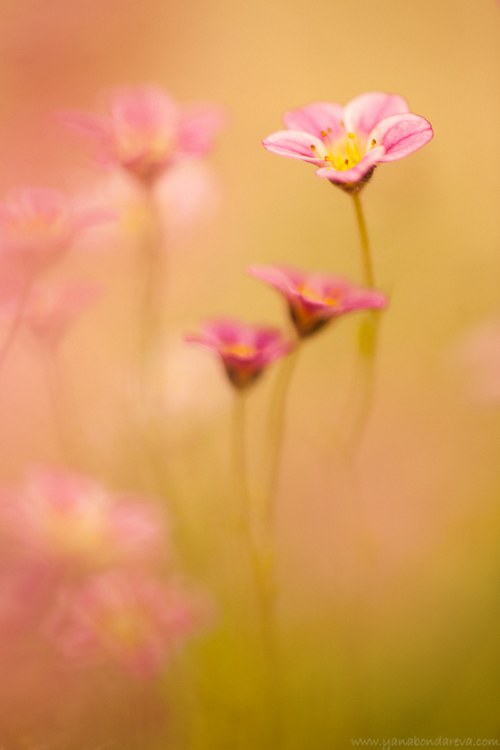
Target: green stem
260,566
153,270
368,272
368,333
277,433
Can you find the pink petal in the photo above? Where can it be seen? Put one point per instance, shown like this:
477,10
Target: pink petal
365,299
364,112
86,124
143,108
355,174
297,145
199,127
281,278
400,135
316,118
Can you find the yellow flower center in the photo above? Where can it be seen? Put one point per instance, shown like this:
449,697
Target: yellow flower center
127,628
346,151
240,350
312,295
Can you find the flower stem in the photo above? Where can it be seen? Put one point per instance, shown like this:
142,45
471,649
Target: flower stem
368,272
368,333
277,431
260,567
15,324
153,268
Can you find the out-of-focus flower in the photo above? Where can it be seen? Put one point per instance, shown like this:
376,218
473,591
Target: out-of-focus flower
347,143
52,309
133,620
478,354
37,227
314,299
146,131
245,350
65,518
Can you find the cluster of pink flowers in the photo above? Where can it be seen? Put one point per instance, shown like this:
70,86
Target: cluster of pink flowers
98,570
89,574
313,300
146,133
346,144
88,577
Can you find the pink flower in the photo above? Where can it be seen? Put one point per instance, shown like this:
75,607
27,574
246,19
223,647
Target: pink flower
37,227
67,519
52,309
132,620
315,299
347,143
146,131
245,350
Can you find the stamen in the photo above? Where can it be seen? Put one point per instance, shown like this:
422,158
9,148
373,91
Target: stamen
351,135
324,133
373,142
313,147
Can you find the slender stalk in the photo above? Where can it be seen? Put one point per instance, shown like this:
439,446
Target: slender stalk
368,333
260,566
152,272
277,432
15,324
366,256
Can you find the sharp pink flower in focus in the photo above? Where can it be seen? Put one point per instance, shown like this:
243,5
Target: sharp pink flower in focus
245,350
146,131
37,227
63,518
315,299
347,143
133,620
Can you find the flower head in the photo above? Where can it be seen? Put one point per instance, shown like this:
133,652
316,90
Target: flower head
132,620
245,350
145,130
63,518
314,299
347,143
38,226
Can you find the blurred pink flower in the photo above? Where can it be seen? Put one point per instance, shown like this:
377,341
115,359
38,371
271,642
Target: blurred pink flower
26,592
37,227
146,131
347,143
51,309
315,299
478,355
133,620
245,350
64,518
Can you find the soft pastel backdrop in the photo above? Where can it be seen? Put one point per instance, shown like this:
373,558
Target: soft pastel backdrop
389,570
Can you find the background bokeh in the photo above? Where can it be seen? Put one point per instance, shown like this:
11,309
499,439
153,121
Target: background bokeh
389,566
